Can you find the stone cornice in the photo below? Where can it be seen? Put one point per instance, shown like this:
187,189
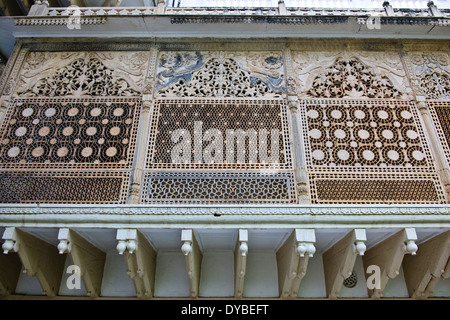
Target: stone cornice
219,210
223,44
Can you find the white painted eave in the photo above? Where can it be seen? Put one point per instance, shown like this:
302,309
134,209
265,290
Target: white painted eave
161,26
225,216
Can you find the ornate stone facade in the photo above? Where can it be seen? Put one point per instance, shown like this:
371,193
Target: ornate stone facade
361,128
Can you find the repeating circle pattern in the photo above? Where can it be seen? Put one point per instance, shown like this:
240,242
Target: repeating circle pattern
364,134
68,132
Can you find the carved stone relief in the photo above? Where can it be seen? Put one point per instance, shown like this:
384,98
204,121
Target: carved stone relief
81,74
371,145
350,75
237,95
70,131
361,132
430,73
220,74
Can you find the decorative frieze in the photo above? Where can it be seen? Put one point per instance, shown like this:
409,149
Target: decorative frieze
219,118
78,74
350,75
429,73
216,74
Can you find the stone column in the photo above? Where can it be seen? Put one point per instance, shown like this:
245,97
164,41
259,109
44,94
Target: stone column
141,150
297,143
144,123
441,162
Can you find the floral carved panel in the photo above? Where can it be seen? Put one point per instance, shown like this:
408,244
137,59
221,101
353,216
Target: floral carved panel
81,74
220,74
349,75
367,151
430,73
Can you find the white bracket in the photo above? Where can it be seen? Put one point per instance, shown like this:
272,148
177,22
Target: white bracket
65,244
305,242
127,240
10,238
186,238
359,246
410,243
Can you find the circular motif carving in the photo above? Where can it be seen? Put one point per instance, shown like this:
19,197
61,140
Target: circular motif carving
316,133
368,156
14,152
393,155
91,131
340,133
416,156
320,156
359,114
38,153
21,131
336,113
50,112
387,134
410,134
111,153
86,153
343,155
382,114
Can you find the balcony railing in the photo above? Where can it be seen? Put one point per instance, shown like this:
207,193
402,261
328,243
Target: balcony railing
404,8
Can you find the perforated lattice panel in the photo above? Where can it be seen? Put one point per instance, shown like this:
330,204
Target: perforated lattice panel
368,151
63,187
219,134
440,113
218,188
84,144
219,150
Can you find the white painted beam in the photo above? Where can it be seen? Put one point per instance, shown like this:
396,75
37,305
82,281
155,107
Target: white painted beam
10,266
140,258
86,256
423,271
339,260
292,260
39,258
240,262
387,257
193,256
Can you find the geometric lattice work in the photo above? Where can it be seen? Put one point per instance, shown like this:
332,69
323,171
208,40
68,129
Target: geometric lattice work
219,151
74,150
379,144
218,188
38,187
353,190
52,133
364,133
440,113
219,134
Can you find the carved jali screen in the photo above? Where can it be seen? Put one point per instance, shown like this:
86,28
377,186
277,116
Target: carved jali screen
220,131
368,152
69,136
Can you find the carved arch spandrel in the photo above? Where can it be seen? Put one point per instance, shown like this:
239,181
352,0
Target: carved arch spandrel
220,74
79,74
366,74
429,73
